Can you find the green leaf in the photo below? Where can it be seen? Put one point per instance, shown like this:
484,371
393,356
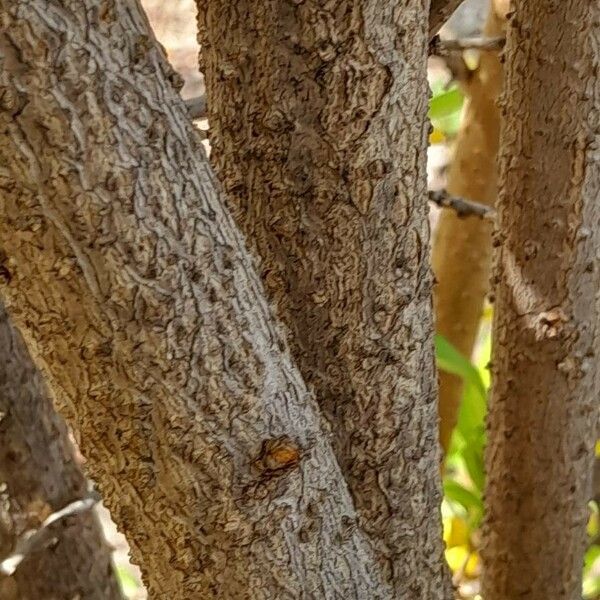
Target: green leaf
128,582
469,435
591,580
473,457
591,556
471,414
449,359
446,104
464,496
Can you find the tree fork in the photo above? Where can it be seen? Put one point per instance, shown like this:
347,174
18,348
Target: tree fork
137,298
318,132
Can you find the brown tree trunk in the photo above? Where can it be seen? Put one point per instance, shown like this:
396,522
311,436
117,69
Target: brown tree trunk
40,476
318,132
462,248
544,404
136,296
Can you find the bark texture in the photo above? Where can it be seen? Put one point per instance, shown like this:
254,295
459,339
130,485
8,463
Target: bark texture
318,134
462,249
137,297
39,475
544,405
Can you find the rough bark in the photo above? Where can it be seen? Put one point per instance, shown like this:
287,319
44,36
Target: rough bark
544,403
39,475
318,131
136,296
462,249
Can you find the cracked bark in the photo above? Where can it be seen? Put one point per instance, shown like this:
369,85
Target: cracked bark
40,475
137,298
462,249
544,402
318,132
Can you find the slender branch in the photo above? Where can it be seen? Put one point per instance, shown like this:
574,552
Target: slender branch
33,538
462,207
196,107
439,12
440,47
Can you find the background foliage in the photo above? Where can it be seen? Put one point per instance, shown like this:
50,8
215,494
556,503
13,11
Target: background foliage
464,477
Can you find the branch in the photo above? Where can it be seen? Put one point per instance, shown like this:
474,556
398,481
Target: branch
439,12
462,207
439,47
33,538
196,107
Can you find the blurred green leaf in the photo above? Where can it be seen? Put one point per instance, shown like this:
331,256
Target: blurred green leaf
473,407
446,104
466,498
472,455
449,359
591,578
591,556
469,438
129,583
471,414
483,354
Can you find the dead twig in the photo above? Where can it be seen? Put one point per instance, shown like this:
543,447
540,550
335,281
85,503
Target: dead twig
461,206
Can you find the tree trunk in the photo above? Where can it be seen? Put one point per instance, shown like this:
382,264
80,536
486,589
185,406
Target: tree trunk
544,404
462,249
41,476
318,133
137,297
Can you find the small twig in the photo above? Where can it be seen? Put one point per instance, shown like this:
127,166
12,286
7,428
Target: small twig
196,107
33,538
461,206
440,47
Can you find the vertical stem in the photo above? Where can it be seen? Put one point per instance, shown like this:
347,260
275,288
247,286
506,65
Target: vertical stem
318,131
462,249
544,404
41,476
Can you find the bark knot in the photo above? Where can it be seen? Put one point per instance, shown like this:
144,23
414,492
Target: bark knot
278,455
551,323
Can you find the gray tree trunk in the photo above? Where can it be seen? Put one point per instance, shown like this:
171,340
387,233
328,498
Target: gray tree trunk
137,298
39,476
318,131
544,404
